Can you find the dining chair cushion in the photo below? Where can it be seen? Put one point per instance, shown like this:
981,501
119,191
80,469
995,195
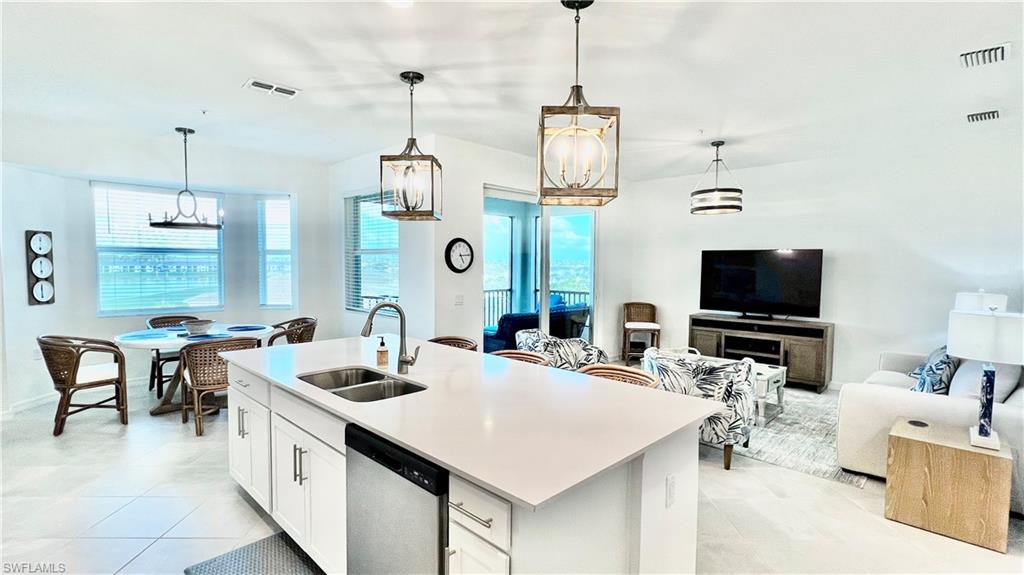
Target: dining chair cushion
642,325
97,372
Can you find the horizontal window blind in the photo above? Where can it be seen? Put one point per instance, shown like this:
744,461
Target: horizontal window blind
144,269
371,254
274,230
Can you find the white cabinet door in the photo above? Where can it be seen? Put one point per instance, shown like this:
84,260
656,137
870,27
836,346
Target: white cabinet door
289,496
324,469
469,554
239,452
256,427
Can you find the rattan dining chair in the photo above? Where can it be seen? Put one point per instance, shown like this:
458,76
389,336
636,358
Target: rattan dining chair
157,378
205,372
455,341
620,373
63,358
298,330
639,318
524,356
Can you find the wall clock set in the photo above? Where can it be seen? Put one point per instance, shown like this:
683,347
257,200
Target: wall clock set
39,259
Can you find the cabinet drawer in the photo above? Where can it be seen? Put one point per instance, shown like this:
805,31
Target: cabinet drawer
250,385
480,512
325,426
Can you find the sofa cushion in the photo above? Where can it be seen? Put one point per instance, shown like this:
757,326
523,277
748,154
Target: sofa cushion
935,373
892,379
1016,398
967,380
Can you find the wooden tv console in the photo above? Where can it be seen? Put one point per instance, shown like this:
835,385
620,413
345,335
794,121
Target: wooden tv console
804,347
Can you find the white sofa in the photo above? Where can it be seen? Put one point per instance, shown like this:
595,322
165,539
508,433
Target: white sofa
867,411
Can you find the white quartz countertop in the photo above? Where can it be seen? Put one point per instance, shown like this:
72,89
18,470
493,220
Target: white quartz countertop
525,432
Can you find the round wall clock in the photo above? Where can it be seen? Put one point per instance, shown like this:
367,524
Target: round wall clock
42,267
43,291
458,255
40,243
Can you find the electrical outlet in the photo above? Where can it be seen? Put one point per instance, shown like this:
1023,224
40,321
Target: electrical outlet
670,490
460,299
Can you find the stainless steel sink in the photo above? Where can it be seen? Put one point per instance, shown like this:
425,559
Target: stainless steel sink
344,377
377,390
361,384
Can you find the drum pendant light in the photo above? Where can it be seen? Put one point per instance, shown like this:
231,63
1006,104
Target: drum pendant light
578,145
187,216
410,182
716,200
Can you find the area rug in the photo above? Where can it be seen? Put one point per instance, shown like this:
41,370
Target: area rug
276,554
803,437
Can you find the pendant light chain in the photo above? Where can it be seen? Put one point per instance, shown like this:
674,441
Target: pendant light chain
412,133
577,46
185,144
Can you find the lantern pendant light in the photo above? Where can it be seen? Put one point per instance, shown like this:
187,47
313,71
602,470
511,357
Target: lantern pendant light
188,212
716,200
410,182
578,145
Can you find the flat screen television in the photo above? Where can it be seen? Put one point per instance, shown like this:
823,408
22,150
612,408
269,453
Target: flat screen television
769,282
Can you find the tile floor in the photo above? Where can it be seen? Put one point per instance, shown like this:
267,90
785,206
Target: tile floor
153,498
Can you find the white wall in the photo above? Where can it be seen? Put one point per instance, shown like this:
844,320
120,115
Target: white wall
904,224
46,174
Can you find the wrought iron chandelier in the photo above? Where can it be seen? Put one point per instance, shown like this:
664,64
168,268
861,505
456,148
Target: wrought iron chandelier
188,212
716,200
578,145
410,182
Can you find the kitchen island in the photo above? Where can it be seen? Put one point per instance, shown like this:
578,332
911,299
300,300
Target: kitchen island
552,471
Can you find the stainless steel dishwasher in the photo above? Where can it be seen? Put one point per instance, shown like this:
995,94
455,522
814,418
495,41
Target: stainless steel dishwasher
397,508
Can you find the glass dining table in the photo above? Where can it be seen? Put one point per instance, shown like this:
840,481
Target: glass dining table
172,339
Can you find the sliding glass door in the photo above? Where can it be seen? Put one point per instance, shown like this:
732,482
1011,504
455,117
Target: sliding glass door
539,268
568,271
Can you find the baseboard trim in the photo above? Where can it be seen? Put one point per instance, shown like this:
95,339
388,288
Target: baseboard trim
49,397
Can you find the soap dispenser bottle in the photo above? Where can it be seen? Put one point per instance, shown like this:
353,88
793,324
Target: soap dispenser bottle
382,354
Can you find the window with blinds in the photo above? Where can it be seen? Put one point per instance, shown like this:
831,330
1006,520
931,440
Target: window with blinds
371,254
274,231
140,269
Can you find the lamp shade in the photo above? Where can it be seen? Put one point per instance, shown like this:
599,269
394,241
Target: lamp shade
980,301
996,337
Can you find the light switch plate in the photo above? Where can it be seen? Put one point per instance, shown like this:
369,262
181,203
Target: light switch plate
670,490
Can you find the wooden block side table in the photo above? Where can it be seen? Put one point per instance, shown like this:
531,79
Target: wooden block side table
937,481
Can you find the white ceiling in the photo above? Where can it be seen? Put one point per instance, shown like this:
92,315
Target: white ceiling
780,82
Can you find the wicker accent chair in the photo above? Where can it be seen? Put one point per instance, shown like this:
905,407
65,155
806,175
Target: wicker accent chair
157,378
524,356
639,318
63,357
298,330
455,341
620,373
205,372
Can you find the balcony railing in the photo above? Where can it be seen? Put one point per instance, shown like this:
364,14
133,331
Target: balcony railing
368,301
498,302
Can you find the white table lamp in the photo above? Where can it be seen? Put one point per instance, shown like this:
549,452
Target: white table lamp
991,337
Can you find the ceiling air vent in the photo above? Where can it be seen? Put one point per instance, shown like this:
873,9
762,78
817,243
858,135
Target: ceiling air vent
269,88
983,116
985,56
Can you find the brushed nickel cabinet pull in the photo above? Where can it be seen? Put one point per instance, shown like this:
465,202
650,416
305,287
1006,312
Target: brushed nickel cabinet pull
484,522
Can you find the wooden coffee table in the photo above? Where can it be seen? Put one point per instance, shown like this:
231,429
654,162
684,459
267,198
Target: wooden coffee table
937,481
